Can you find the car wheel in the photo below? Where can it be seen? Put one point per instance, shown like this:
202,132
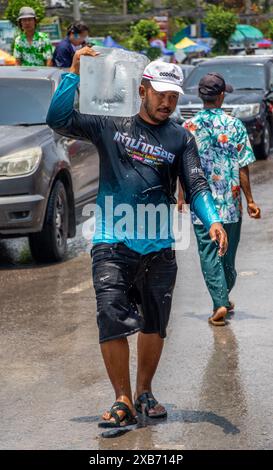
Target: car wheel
50,244
262,151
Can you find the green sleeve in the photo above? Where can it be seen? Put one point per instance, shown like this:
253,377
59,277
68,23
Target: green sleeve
17,51
47,53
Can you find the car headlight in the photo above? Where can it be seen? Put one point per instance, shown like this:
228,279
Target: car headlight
20,163
246,110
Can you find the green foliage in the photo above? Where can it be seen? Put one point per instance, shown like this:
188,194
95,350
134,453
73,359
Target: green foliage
138,6
116,6
148,29
220,24
142,32
182,5
137,42
14,6
153,53
267,28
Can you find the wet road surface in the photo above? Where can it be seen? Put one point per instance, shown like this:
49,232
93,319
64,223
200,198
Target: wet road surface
215,382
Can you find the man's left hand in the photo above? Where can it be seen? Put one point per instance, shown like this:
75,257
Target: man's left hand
253,210
218,234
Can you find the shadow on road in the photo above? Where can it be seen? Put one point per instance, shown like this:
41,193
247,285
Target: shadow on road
174,416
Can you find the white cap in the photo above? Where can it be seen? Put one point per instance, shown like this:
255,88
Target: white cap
26,12
164,76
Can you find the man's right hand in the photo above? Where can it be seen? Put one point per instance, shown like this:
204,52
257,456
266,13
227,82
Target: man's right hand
87,50
218,234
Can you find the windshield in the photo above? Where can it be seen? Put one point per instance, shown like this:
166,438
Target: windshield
24,101
240,76
187,70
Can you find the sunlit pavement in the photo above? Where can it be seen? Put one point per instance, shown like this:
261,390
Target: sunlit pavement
215,382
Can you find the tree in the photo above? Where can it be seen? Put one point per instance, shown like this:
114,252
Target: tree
142,33
138,43
116,6
138,6
183,5
147,28
220,24
14,6
267,28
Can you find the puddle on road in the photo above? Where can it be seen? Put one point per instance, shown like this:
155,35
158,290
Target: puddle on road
16,253
248,273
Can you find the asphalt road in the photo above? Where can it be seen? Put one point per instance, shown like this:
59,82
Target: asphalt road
215,382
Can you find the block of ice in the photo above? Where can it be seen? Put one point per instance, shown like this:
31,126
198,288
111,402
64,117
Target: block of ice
109,82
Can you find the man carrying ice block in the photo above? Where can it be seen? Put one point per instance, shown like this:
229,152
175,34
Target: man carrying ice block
134,271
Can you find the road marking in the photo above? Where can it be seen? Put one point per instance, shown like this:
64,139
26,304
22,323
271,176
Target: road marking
79,288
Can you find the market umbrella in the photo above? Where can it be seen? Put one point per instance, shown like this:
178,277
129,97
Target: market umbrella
157,43
160,44
171,46
246,32
96,42
184,43
191,49
167,51
200,46
204,45
109,42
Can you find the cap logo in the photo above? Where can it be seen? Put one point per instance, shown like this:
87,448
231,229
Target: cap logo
169,74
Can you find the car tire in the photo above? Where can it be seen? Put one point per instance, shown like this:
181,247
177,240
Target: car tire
50,245
262,151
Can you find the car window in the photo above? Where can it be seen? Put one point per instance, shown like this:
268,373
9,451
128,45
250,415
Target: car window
24,101
239,75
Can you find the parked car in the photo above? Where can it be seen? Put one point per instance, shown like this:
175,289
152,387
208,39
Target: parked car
251,101
45,179
186,69
258,52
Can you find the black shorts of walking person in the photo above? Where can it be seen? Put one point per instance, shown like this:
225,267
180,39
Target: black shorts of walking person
133,291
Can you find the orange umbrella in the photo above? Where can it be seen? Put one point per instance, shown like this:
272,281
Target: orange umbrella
6,59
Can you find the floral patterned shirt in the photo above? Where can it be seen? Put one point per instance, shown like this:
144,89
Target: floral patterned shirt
224,148
36,53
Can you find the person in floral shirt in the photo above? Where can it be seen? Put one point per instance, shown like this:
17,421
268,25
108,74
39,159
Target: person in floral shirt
31,47
225,153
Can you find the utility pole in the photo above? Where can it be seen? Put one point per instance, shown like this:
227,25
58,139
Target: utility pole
248,9
76,10
125,8
198,19
157,3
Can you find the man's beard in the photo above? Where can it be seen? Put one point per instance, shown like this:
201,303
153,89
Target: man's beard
150,113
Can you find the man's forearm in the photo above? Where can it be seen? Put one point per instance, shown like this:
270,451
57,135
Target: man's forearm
245,184
204,207
62,103
75,68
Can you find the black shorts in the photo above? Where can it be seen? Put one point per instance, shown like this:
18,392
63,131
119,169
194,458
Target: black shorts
133,291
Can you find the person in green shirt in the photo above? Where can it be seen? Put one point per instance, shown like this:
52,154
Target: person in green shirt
31,48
